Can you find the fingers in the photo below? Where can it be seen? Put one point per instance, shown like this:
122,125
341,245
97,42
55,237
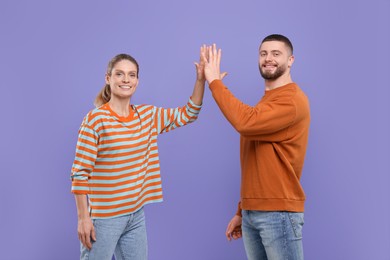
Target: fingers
234,233
88,237
85,239
214,53
223,74
86,233
233,229
210,62
210,52
204,54
237,233
218,53
87,242
229,231
93,234
203,50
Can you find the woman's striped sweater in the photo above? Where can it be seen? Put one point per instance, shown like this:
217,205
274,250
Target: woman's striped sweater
117,163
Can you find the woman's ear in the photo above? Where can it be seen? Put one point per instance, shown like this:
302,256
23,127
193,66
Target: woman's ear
107,78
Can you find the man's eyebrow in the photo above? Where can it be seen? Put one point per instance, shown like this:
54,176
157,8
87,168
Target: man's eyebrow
271,51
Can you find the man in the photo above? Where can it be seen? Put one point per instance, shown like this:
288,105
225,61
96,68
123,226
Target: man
273,140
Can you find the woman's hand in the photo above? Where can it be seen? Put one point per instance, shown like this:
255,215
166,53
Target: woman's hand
86,232
200,66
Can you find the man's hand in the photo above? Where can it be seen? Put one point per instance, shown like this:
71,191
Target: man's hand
233,229
86,231
212,58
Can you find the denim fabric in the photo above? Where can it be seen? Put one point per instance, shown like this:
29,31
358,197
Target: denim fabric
273,235
125,237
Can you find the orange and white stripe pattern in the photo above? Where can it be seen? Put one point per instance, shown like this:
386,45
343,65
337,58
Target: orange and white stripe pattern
117,161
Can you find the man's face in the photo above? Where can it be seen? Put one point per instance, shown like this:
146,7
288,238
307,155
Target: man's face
275,59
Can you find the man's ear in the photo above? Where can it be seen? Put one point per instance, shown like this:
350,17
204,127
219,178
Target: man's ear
290,61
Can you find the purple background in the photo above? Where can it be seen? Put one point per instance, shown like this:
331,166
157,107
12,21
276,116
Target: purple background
53,58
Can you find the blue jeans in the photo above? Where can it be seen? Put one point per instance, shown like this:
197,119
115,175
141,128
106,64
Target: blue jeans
124,237
272,235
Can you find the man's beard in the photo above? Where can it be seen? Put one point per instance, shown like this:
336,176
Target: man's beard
272,75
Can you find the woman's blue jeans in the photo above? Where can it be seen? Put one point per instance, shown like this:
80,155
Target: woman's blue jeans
274,235
124,237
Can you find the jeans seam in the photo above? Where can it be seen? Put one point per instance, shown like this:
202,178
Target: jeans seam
121,250
294,225
285,237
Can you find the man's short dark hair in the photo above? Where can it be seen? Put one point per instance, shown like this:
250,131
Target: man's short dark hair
280,38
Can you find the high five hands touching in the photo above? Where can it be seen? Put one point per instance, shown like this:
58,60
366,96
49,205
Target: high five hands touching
211,57
206,69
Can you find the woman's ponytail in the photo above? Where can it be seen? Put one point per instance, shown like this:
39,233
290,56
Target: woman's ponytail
103,97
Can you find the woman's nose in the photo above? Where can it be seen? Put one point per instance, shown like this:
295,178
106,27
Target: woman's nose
126,78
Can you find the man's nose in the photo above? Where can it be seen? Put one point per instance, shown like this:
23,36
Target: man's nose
268,57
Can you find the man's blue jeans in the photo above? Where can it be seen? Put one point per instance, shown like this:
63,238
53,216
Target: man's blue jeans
272,235
123,236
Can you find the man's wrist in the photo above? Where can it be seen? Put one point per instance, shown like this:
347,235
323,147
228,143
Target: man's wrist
211,80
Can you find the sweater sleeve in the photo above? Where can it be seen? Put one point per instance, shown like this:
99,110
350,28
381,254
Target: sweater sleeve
86,152
167,119
263,122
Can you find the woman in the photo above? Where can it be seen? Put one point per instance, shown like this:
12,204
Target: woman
116,168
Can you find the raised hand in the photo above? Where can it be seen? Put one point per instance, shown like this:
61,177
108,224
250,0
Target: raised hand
213,63
200,66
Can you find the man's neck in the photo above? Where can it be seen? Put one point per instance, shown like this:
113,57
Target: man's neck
277,83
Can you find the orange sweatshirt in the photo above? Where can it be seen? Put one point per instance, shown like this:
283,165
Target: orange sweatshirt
274,136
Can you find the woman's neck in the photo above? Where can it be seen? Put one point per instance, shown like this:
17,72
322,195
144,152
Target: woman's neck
120,106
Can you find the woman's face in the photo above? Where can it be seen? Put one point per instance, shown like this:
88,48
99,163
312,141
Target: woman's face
123,80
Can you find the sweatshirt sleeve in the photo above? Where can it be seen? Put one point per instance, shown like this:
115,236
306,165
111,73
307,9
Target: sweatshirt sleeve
167,119
263,122
86,152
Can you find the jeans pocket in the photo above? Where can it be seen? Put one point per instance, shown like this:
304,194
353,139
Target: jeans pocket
297,221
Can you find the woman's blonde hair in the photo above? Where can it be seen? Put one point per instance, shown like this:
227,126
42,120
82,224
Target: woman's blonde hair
105,93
